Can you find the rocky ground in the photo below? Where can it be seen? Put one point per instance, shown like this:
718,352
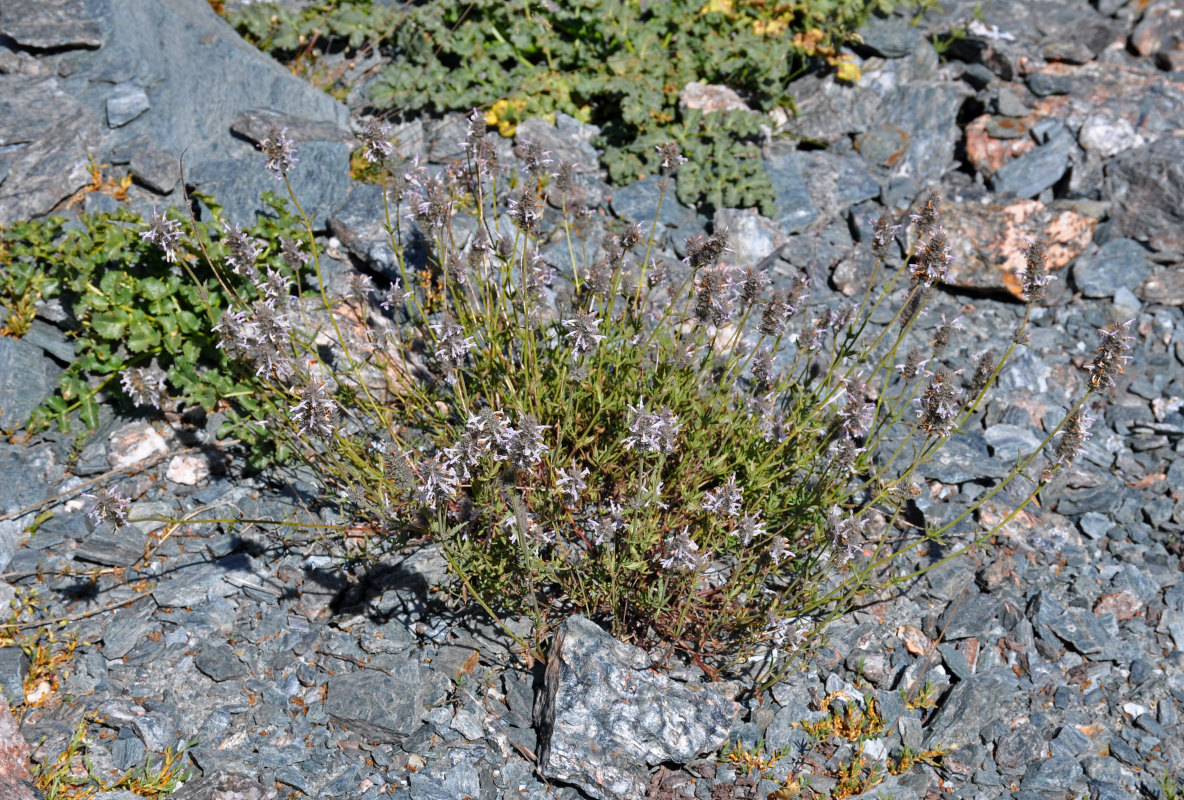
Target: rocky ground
1049,664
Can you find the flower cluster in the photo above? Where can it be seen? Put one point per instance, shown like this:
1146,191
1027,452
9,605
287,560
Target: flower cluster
650,432
165,233
280,152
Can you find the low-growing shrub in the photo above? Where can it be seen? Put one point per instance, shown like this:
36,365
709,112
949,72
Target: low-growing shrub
706,464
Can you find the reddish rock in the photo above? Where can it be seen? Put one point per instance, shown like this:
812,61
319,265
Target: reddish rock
709,97
15,781
1124,605
988,240
1160,30
987,153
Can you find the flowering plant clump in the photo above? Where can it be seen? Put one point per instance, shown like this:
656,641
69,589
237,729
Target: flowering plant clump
706,464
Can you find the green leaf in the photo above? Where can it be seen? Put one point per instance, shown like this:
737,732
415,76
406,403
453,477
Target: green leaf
109,324
142,334
89,412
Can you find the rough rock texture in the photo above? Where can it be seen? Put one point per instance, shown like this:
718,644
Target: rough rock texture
606,715
15,781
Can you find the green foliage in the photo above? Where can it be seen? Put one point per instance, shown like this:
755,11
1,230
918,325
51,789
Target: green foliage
130,308
619,64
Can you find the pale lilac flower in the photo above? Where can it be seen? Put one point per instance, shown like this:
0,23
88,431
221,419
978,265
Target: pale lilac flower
395,296
1111,352
939,404
165,233
525,447
724,500
451,344
583,332
649,432
274,286
109,506
682,552
280,152
671,154
790,632
572,483
779,549
293,256
438,481
243,250
316,411
750,527
358,288
144,386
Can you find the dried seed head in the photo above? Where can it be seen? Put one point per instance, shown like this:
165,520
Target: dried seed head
762,367
1034,277
883,237
376,146
357,289
984,370
711,305
525,212
1073,436
913,362
600,278
565,178
630,238
429,198
773,319
280,152
939,404
927,218
534,155
941,337
671,156
752,284
1110,354
933,258
703,252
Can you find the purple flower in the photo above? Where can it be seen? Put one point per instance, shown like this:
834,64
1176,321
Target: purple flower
682,553
583,332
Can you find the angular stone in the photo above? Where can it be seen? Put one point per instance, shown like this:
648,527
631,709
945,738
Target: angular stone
605,715
155,169
126,102
1035,171
889,37
188,470
1141,182
1081,630
118,548
219,663
1018,748
27,377
46,136
1165,288
638,202
969,706
127,627
50,24
1052,775
133,443
1119,263
14,666
378,706
222,785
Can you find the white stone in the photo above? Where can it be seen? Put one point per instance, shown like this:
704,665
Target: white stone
134,443
189,469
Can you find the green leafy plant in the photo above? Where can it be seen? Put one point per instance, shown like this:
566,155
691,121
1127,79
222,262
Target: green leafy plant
620,64
131,308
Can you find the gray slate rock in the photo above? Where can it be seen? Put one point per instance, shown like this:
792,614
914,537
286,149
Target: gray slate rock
379,706
120,548
195,115
51,24
638,202
1037,170
126,102
225,786
46,137
360,224
891,37
127,627
1119,263
1144,185
605,716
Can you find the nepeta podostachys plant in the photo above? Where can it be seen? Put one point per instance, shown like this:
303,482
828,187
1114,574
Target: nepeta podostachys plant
706,464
